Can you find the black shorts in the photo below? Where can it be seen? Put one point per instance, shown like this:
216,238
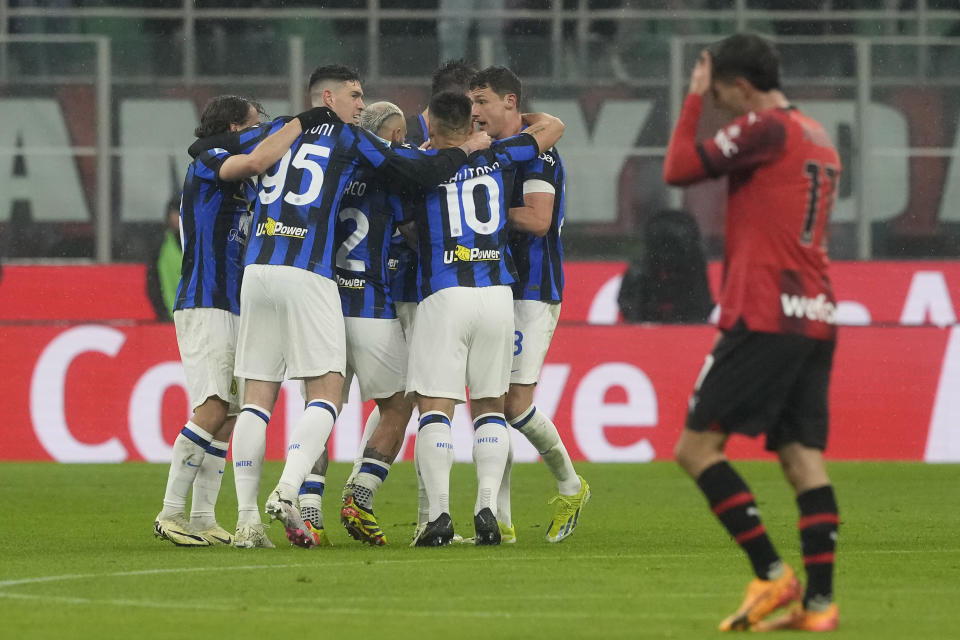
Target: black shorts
770,383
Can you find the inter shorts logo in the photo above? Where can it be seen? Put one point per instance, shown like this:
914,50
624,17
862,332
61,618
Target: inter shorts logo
234,390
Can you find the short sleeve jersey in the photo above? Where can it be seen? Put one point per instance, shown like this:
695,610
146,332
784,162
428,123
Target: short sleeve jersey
783,173
539,261
461,224
214,225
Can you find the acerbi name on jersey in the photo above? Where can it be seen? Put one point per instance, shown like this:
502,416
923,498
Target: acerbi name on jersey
276,228
465,254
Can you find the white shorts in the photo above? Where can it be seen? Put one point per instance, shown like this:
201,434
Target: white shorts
290,321
534,323
462,337
406,313
377,355
208,342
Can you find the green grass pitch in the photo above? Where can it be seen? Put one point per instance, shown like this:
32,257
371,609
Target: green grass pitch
648,560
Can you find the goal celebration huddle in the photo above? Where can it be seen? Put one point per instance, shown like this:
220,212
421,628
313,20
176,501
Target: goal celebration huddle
421,254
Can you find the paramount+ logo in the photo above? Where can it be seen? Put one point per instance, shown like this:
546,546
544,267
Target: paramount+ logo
276,228
465,254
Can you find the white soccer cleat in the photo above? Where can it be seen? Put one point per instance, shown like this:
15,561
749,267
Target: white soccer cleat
284,510
176,529
252,536
215,535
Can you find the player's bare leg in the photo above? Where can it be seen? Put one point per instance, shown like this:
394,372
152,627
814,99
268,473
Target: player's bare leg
572,490
805,471
491,449
701,455
249,446
378,454
434,458
307,443
189,451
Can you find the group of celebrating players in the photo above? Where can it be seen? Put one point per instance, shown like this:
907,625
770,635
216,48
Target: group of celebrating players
431,266
363,251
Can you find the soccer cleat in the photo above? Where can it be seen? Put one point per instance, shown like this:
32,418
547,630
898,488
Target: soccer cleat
279,508
313,521
252,536
508,535
566,513
215,535
763,597
800,619
438,533
361,524
176,529
486,527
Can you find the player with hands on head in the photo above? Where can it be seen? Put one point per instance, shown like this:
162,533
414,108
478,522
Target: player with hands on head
769,370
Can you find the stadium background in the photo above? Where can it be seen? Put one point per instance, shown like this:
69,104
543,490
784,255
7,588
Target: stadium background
99,99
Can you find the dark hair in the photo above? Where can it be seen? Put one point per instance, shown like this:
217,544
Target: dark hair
500,80
336,72
453,75
221,112
748,56
173,203
450,111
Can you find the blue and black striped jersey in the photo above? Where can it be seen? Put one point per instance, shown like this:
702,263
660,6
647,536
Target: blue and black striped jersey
461,224
214,226
402,266
299,198
366,221
539,261
215,222
416,130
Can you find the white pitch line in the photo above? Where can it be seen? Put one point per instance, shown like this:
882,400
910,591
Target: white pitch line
422,559
318,608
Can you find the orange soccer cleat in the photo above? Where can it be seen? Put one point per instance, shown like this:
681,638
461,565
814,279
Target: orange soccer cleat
763,598
799,618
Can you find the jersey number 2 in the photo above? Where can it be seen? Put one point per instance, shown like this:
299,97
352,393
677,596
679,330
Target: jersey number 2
817,173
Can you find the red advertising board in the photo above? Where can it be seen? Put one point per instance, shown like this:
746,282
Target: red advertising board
95,392
870,293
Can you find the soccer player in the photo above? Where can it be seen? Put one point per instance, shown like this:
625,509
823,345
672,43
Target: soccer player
466,315
769,371
536,218
453,75
291,322
214,225
376,347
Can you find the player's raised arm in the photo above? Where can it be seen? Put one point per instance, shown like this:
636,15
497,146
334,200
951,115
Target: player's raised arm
268,152
682,164
751,139
544,128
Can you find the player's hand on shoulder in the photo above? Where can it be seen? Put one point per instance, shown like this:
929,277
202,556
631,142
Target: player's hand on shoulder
478,141
427,145
313,117
702,74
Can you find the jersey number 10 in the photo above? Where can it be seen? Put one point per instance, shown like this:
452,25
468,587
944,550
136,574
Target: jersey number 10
460,198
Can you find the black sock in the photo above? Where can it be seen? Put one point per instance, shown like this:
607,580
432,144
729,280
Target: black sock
818,540
732,502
